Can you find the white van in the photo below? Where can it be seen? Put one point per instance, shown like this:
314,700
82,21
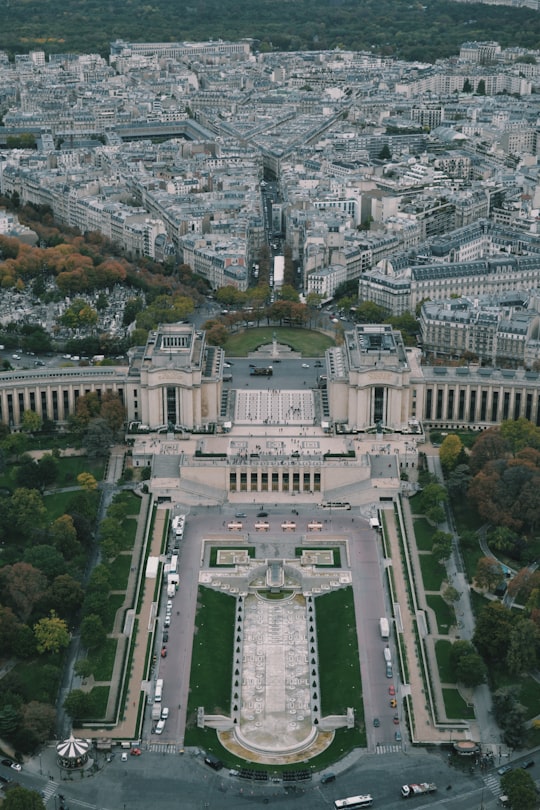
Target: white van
160,726
159,691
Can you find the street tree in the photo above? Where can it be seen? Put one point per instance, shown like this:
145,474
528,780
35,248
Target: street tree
52,634
520,788
489,574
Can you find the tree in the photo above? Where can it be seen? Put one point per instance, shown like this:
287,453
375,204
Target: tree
385,153
523,584
489,446
519,434
47,559
40,719
63,536
98,438
28,514
65,596
458,481
19,798
449,452
92,632
22,587
488,574
9,628
522,646
450,594
51,634
520,788
492,631
78,704
87,481
471,670
30,422
442,546
113,411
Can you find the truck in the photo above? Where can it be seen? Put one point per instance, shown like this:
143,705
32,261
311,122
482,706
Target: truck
261,371
171,590
418,789
388,655
156,712
384,627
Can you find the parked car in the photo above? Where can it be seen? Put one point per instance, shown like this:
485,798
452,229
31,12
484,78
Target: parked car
165,636
391,690
393,703
135,752
240,515
262,514
396,719
213,762
504,769
397,736
160,726
4,780
376,722
123,758
327,778
164,713
528,763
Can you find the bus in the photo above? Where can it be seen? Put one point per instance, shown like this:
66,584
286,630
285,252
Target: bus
335,505
354,801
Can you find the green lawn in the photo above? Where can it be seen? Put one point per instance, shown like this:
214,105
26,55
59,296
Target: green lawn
69,468
129,527
114,602
455,706
57,504
99,697
446,615
432,572
132,501
102,661
423,531
529,691
306,341
120,568
442,651
212,660
339,669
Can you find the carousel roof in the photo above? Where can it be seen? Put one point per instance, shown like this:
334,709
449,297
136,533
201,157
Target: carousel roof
72,748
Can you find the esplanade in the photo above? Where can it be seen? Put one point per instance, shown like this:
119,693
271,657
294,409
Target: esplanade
371,383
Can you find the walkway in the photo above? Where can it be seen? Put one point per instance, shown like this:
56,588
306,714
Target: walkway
407,620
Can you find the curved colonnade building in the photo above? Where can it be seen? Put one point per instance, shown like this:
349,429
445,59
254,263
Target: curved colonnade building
372,381
343,442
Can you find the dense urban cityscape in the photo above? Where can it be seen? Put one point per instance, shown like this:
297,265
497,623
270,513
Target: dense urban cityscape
305,564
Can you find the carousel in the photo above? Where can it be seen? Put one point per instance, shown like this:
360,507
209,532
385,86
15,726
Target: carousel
73,753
